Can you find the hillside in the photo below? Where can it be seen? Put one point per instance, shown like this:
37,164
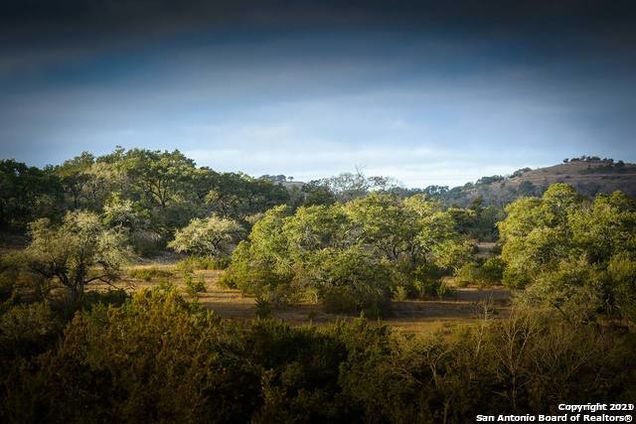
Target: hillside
589,177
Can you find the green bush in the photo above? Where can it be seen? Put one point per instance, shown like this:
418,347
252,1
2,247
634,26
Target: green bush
562,248
340,300
151,360
488,273
426,288
193,284
147,243
27,330
445,291
492,270
263,308
401,293
202,262
158,359
114,297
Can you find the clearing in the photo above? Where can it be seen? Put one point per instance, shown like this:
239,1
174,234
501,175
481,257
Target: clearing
464,306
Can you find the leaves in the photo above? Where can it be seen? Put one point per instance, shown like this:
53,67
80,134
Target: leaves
77,252
211,236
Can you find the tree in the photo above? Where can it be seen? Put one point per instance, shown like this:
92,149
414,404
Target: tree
73,176
26,193
357,252
213,236
76,253
571,253
161,178
237,195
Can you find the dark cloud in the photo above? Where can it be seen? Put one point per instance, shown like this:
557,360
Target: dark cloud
107,18
526,81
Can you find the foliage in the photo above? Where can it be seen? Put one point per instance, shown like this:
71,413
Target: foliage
26,193
487,273
28,329
194,285
213,237
158,359
350,185
568,251
146,193
202,262
148,274
350,257
76,253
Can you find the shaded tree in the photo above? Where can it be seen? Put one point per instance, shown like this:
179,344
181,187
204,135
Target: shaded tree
27,193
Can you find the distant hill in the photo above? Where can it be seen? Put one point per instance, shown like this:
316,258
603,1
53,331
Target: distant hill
590,176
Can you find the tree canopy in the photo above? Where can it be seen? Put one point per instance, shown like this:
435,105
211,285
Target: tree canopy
367,247
212,236
75,253
570,251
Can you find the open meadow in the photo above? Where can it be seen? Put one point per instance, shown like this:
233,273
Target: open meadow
463,306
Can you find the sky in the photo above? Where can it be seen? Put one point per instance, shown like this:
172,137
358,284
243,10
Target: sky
427,92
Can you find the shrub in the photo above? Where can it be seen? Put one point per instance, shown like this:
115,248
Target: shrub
152,360
489,273
27,330
263,308
401,293
492,270
425,288
147,242
352,257
202,262
158,359
444,290
194,285
213,236
149,274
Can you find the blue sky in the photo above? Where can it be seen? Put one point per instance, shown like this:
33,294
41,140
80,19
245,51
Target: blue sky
426,104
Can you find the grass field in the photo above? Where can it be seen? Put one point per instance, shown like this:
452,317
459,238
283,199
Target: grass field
463,307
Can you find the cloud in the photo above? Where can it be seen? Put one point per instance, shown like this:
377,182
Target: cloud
439,106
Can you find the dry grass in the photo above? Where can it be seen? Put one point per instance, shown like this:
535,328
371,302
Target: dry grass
413,316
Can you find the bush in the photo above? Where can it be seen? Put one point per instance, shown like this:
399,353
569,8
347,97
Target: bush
489,273
263,308
352,257
114,297
492,270
340,300
149,274
151,360
194,285
202,262
28,330
444,290
426,288
401,293
467,274
213,236
146,242
158,359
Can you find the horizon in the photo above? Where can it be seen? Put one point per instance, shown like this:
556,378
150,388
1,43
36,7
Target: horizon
353,171
428,94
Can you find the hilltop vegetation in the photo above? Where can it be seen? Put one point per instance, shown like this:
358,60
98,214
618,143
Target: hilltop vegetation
588,175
